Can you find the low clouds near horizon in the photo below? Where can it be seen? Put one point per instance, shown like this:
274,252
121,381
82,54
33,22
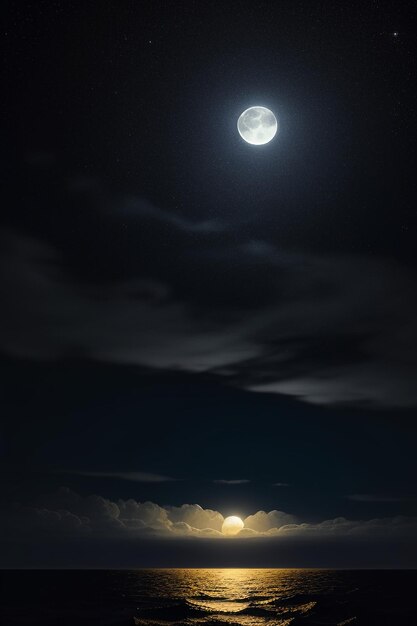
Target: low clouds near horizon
66,514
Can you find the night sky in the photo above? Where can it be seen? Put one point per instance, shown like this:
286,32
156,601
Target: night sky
189,319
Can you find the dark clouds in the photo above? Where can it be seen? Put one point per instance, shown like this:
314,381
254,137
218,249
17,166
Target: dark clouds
371,497
233,481
331,329
136,477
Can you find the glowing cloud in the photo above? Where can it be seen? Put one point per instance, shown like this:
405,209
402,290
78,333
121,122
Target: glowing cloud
66,513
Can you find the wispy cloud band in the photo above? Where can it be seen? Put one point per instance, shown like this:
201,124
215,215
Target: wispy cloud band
138,477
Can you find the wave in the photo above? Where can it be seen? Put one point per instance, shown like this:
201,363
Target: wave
207,622
195,609
209,596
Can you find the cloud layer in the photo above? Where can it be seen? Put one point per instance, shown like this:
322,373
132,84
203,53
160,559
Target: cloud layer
331,329
67,514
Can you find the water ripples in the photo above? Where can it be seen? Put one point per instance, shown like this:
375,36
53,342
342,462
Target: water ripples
209,597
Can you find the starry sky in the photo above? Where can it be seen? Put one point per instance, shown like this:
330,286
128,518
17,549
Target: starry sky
191,321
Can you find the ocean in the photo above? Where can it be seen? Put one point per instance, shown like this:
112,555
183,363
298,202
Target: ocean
213,597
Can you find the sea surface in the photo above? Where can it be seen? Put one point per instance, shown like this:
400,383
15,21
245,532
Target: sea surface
213,597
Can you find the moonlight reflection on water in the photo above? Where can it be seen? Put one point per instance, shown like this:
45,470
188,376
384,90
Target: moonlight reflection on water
211,597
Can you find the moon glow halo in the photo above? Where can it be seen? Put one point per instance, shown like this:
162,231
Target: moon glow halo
257,125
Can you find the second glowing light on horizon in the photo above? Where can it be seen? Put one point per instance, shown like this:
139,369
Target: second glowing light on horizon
232,525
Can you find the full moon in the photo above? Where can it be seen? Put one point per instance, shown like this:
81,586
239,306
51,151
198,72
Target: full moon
232,525
257,125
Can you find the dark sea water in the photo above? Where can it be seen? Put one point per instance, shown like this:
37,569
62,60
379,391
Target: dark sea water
244,597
